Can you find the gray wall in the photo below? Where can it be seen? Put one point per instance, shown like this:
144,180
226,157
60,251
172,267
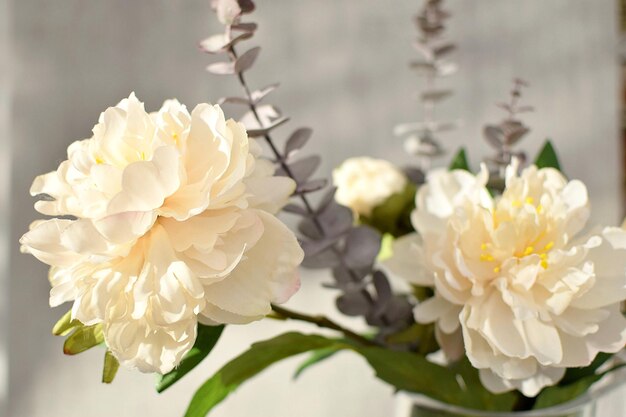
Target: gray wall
342,64
5,171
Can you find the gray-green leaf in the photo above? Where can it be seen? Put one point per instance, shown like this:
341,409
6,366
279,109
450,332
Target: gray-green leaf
205,342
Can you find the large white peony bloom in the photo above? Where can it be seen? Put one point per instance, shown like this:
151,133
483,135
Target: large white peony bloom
514,279
172,223
364,183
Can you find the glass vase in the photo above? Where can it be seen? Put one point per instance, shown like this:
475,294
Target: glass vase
605,399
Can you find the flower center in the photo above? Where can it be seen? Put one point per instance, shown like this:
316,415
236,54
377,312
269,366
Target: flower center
536,243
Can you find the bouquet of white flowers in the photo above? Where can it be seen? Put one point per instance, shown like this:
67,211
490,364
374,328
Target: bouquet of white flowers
164,230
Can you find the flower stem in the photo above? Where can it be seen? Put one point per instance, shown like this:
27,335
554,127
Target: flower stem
321,321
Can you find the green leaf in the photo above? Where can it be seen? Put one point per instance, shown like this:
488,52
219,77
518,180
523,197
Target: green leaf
65,325
260,356
574,374
83,338
421,335
205,342
547,157
393,216
111,365
410,372
475,388
403,370
386,248
316,357
459,161
559,394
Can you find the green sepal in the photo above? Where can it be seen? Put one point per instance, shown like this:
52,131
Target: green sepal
205,342
65,325
393,216
110,367
83,338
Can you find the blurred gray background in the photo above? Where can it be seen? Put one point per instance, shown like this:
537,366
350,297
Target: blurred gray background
343,69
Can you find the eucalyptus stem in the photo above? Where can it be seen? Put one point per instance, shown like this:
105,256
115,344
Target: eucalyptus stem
323,322
285,167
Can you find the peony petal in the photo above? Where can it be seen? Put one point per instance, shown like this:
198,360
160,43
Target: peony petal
146,184
270,193
264,276
138,345
407,261
44,242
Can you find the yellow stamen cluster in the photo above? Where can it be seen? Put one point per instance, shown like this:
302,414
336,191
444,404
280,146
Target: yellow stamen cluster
487,257
529,200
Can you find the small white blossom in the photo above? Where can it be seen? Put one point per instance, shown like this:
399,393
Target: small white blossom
364,183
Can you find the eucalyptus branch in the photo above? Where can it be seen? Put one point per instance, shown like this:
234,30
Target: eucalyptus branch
322,322
503,136
280,158
329,237
422,138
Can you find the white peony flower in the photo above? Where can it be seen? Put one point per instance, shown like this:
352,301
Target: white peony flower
364,183
172,223
515,280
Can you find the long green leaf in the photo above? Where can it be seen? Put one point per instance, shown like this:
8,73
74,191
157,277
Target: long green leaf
410,372
205,342
83,338
403,370
547,157
459,161
316,357
109,370
260,356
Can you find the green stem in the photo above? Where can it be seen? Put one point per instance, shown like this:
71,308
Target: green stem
282,313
